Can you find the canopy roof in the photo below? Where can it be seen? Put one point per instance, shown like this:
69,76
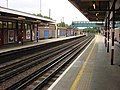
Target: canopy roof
96,10
16,13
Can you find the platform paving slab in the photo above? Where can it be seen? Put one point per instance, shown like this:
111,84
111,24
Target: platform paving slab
98,73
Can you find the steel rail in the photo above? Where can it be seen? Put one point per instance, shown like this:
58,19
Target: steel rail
41,53
25,67
45,81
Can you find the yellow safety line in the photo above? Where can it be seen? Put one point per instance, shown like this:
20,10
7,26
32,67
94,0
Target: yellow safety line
81,71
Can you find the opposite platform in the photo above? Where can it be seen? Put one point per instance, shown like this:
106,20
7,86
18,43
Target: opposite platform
11,47
92,70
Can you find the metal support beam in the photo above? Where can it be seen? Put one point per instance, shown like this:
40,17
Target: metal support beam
66,33
22,32
17,31
1,36
113,27
102,10
108,30
31,28
37,32
106,33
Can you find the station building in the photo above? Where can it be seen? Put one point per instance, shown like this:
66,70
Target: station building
65,31
20,27
47,31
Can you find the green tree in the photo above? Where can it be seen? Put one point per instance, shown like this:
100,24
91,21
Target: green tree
62,24
91,30
47,17
42,16
39,15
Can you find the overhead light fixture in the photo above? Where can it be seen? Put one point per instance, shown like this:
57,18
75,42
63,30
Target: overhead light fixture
94,5
21,18
97,14
97,19
38,21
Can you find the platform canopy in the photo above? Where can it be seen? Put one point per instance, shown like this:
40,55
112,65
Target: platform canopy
97,10
8,13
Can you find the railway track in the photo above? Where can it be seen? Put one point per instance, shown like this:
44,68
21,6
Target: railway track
14,69
15,54
39,78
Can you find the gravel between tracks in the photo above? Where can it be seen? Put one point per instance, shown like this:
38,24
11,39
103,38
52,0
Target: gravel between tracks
13,80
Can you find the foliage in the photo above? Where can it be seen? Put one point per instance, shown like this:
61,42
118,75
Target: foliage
62,24
91,30
39,15
42,16
47,17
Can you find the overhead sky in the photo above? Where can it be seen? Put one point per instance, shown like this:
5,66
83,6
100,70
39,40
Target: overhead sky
60,9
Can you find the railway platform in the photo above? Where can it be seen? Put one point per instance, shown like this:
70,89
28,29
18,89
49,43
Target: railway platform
11,47
92,69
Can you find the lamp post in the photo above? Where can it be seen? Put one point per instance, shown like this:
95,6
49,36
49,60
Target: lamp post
7,3
49,13
40,7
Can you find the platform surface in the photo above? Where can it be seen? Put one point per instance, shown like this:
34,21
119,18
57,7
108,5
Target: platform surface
92,70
